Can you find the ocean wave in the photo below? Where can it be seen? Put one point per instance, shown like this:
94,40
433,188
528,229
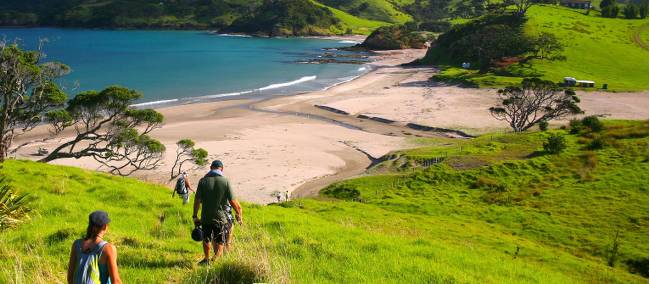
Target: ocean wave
349,41
234,35
286,84
362,69
155,103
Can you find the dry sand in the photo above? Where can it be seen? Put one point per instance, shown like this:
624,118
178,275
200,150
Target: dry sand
287,144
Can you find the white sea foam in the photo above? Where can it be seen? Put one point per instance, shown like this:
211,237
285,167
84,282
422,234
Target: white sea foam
155,103
286,84
349,41
362,69
234,35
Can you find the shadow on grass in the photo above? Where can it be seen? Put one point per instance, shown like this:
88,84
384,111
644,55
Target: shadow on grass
229,272
130,260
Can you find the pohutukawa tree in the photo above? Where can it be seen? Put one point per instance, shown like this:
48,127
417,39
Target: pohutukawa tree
534,101
106,129
186,152
27,92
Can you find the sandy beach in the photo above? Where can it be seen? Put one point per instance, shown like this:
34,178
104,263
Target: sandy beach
288,144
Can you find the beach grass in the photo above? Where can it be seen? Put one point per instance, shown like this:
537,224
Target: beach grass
495,210
604,50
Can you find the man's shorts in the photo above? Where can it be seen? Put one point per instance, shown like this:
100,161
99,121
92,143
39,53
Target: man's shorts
214,232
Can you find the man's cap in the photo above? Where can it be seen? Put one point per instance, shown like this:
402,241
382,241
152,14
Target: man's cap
216,164
99,218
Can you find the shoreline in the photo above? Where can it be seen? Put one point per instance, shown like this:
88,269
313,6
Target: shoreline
286,143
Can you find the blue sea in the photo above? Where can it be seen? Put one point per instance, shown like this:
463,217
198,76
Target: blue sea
172,67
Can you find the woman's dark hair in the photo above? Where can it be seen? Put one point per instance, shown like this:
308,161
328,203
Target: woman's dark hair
92,231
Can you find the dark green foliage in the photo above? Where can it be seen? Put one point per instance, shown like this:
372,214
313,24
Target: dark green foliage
435,26
555,144
643,11
481,42
543,125
638,266
597,143
606,3
342,191
286,17
393,37
631,11
575,126
592,123
610,11
546,45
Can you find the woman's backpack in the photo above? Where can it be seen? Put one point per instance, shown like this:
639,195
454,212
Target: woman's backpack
180,187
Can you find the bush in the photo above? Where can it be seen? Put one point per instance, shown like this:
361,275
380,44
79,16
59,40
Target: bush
610,11
342,191
631,11
593,123
597,143
555,144
543,125
575,126
643,11
13,208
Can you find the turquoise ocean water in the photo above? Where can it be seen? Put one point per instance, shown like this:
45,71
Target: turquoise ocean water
171,67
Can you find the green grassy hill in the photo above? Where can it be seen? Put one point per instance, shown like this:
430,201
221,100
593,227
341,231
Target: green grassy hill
496,210
604,50
360,17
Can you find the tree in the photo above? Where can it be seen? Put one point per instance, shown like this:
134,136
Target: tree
547,44
631,11
606,3
534,101
522,6
27,92
108,130
610,11
643,11
185,152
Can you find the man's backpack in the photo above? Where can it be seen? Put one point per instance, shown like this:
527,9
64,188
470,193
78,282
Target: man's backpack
180,187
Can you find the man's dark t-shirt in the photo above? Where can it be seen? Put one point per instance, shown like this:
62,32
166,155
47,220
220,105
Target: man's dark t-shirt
214,192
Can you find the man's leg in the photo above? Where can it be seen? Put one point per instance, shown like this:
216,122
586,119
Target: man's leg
206,250
218,249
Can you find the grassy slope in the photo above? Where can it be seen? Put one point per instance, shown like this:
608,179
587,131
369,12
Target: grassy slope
378,10
599,49
420,226
356,24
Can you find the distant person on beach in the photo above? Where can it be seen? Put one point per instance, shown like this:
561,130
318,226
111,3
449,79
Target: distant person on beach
183,188
93,260
214,193
286,196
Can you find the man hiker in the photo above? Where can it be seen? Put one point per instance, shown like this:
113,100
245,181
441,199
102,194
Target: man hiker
214,193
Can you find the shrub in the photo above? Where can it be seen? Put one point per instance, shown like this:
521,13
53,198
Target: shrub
543,125
593,123
575,126
342,191
643,11
555,144
638,266
13,208
610,11
597,143
631,11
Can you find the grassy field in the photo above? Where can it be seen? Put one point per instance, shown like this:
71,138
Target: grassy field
356,24
495,210
377,10
604,50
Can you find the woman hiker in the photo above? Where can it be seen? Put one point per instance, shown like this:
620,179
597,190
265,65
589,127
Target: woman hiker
93,260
